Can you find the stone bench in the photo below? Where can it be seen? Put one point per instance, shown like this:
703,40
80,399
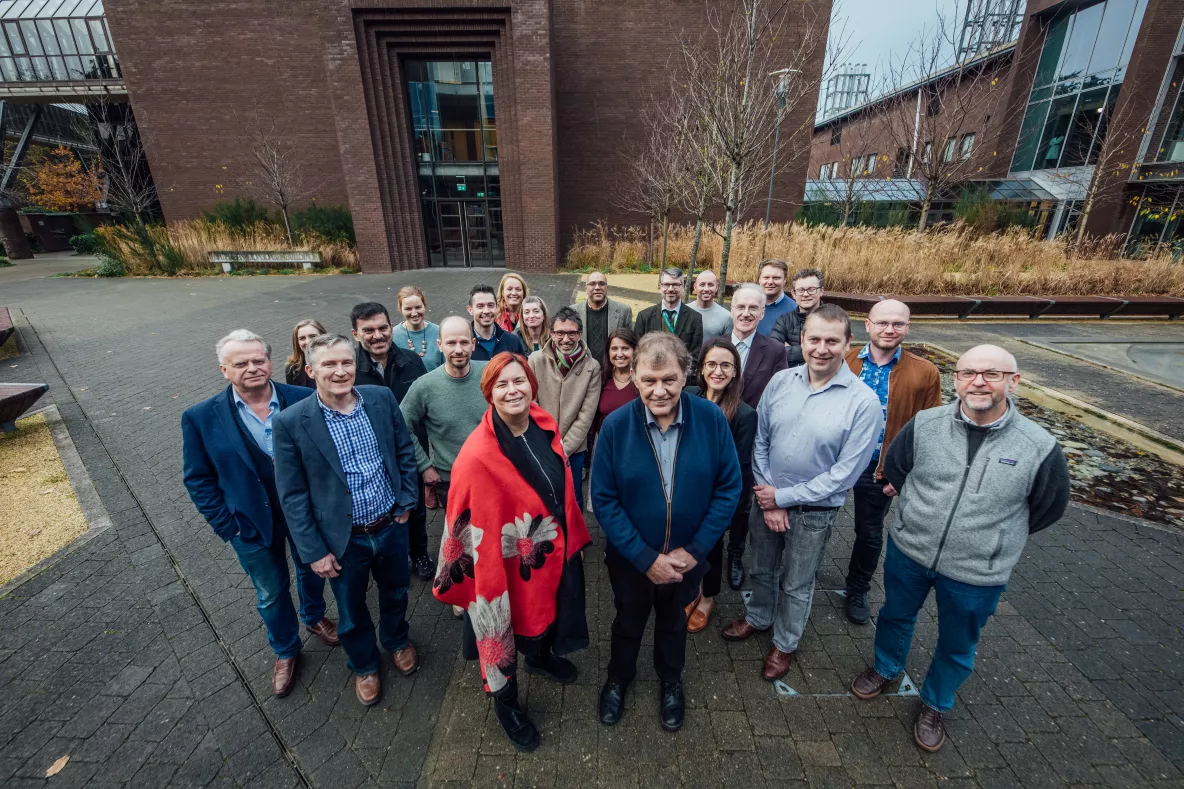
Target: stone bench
16,399
284,258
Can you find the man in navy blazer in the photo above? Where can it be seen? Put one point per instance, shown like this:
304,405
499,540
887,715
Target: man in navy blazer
227,448
665,484
346,475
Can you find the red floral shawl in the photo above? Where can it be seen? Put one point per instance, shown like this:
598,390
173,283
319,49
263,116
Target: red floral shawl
501,548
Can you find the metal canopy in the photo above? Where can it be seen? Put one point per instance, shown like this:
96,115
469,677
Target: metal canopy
903,190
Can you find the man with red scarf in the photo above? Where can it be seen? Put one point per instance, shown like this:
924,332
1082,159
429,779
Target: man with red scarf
569,388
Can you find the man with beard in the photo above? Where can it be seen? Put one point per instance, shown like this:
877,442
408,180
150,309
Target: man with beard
489,339
817,426
807,290
381,363
975,478
905,385
671,315
601,315
569,388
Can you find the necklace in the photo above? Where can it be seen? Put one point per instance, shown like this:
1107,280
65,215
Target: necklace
617,378
423,347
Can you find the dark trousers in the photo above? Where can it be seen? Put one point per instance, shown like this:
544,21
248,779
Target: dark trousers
576,463
871,505
738,530
382,554
417,525
634,596
713,578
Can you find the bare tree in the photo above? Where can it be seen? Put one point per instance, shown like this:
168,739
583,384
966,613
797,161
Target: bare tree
274,173
655,175
725,83
851,166
122,164
932,104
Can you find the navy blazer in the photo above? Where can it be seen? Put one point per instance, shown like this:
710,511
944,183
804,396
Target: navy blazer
310,478
220,475
765,357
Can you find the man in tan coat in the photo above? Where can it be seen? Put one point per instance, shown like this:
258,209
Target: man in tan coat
905,385
569,388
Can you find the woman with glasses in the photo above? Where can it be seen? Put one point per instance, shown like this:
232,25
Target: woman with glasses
719,371
534,325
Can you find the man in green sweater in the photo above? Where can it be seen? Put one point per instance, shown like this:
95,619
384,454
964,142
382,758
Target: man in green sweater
448,403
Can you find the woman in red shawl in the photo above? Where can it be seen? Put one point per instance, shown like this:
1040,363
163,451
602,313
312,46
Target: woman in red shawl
510,550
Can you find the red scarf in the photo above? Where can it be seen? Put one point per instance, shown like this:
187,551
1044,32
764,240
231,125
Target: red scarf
502,554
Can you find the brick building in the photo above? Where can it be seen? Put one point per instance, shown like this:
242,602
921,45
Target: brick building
479,133
1085,86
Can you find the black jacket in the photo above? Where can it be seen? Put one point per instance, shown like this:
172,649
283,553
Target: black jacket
788,330
503,341
402,368
294,375
688,327
743,425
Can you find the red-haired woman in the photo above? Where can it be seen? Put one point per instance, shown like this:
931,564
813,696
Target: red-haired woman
510,550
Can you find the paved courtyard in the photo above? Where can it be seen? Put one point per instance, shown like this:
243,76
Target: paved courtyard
140,654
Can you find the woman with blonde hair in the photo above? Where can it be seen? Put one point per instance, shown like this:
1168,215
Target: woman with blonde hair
511,293
416,333
534,327
302,335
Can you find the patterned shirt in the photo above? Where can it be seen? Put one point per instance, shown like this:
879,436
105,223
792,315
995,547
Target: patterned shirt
876,377
365,473
260,429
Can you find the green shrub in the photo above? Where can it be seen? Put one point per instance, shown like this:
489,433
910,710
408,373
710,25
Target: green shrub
238,214
86,243
109,267
4,262
332,223
984,215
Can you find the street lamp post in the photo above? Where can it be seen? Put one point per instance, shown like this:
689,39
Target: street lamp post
782,76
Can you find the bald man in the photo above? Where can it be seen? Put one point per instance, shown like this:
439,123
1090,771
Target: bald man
905,384
975,478
600,315
717,321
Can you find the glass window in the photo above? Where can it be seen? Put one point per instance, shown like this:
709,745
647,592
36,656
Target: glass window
1116,20
1087,122
1131,34
1080,44
1054,41
967,146
927,154
1052,141
947,154
1171,147
870,166
836,135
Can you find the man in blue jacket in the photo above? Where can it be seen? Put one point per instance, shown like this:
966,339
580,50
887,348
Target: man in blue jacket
227,449
489,339
345,472
665,484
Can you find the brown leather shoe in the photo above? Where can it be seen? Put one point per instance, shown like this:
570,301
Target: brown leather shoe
739,630
283,677
698,619
368,689
776,664
929,732
407,660
868,684
326,631
694,604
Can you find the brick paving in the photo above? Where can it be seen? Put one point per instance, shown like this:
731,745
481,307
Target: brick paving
141,656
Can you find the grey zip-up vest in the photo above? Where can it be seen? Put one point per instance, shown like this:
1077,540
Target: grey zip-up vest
969,522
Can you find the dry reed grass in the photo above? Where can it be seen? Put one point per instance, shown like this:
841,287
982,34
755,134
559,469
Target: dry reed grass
951,261
189,242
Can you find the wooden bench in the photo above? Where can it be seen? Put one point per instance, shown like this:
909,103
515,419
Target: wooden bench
16,399
6,327
1168,307
285,258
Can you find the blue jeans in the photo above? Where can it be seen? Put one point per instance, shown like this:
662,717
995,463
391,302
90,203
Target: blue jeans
267,567
383,555
576,462
962,610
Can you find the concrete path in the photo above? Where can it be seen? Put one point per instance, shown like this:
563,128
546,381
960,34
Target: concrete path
141,656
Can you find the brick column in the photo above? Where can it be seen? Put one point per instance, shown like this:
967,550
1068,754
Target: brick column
12,235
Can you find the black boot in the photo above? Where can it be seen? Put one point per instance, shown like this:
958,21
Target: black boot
735,570
553,667
519,730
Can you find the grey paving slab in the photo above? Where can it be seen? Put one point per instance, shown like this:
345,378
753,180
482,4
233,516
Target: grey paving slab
140,654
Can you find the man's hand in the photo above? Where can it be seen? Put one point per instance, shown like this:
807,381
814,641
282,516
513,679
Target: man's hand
327,567
665,570
777,520
890,489
766,496
402,518
430,475
684,556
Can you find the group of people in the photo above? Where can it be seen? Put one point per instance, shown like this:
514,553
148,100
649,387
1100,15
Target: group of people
697,425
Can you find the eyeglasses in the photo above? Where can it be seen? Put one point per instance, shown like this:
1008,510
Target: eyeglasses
990,376
726,367
666,285
566,333
806,291
897,325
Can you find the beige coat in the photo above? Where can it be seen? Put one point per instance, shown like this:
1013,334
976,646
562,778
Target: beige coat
572,400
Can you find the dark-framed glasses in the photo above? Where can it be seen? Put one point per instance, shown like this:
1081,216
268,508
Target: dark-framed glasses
806,291
726,367
990,376
897,325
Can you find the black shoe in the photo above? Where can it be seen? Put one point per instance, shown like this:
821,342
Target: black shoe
672,707
735,570
424,568
612,701
521,733
857,610
553,667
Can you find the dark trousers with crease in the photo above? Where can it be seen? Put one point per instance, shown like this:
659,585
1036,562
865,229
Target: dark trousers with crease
871,505
635,596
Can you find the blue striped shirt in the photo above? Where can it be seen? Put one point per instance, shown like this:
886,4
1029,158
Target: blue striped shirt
365,472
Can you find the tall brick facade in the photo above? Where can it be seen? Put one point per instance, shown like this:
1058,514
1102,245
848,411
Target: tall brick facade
572,79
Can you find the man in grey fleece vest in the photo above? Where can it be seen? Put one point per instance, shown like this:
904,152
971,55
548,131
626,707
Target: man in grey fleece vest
975,478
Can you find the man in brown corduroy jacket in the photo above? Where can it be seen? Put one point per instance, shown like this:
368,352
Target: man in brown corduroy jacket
905,385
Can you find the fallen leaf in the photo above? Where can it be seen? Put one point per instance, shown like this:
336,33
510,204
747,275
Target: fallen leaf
83,389
20,470
46,491
57,766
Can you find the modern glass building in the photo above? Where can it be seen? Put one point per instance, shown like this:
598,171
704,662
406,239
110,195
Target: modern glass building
56,41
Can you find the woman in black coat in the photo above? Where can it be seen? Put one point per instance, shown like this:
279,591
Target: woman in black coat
719,371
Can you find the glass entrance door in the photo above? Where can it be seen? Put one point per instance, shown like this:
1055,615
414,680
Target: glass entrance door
464,234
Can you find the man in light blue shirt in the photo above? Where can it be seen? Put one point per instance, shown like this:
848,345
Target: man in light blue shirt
260,429
817,427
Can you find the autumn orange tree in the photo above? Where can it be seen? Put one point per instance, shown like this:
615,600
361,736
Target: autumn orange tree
59,182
